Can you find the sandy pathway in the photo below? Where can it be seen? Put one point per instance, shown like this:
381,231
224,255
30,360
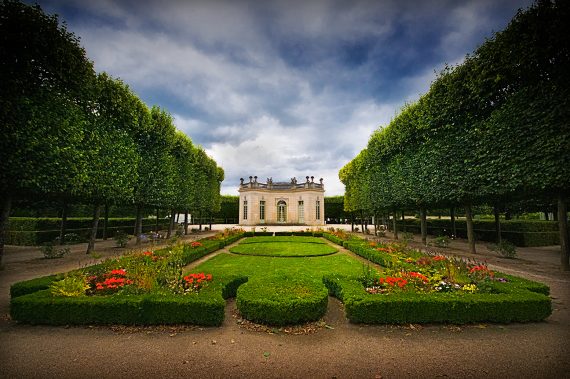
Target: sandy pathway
536,350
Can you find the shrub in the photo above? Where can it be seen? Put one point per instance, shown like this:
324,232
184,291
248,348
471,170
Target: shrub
441,241
514,305
72,285
51,252
505,248
121,238
282,300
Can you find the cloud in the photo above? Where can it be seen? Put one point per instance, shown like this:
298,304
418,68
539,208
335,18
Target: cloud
280,88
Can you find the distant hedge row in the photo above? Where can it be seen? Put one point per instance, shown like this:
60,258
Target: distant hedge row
30,231
521,233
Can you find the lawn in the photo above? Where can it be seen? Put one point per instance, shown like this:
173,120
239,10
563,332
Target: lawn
283,247
257,266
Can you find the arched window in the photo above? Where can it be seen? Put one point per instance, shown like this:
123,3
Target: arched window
281,211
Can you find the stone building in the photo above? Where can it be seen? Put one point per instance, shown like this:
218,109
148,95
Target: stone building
276,203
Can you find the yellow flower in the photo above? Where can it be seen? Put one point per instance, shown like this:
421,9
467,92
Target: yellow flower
471,288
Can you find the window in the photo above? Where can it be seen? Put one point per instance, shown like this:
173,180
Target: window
262,210
301,212
245,209
318,210
281,211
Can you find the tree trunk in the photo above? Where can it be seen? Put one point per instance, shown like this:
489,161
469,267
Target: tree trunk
91,244
4,218
138,224
394,221
170,224
423,225
497,223
470,232
186,222
63,223
453,228
375,224
200,221
545,215
403,222
211,219
564,238
157,220
106,221
352,222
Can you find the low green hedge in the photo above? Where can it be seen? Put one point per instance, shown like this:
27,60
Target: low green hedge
517,304
33,285
333,238
520,233
281,300
31,231
204,308
32,301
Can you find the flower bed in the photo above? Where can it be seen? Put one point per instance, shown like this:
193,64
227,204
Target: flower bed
414,287
140,288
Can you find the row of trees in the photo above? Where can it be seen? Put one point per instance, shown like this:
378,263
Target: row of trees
72,135
491,130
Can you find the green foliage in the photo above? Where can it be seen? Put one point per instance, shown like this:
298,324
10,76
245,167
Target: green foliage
33,285
121,238
51,252
505,248
520,233
491,129
283,249
297,239
30,231
70,286
523,305
282,300
441,241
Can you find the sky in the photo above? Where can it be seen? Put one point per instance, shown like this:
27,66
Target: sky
280,89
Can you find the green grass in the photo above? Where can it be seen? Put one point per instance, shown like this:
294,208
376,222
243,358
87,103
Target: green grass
284,249
282,239
258,266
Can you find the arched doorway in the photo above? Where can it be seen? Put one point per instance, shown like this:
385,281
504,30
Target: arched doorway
281,211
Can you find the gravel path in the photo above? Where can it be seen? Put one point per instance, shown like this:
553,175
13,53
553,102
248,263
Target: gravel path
338,350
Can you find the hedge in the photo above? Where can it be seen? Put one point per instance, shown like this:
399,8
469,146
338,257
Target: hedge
282,300
32,301
511,305
333,238
29,231
520,233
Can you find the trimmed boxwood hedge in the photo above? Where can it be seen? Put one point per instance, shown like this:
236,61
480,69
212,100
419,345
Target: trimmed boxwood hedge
282,300
520,233
204,308
509,305
32,302
333,238
30,231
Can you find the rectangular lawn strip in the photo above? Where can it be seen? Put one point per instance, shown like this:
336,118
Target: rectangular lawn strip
313,267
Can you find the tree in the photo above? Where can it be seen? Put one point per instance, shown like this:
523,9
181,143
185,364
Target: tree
46,80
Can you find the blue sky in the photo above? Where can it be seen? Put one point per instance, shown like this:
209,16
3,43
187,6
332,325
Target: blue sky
280,88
